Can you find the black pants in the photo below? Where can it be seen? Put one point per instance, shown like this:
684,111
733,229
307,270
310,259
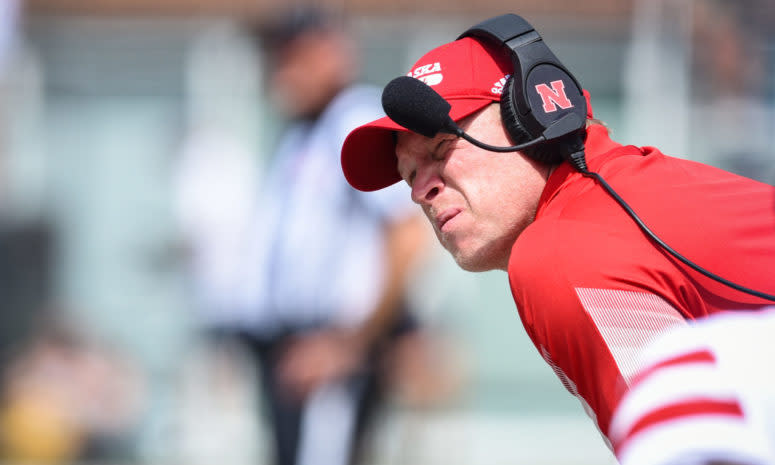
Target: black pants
285,413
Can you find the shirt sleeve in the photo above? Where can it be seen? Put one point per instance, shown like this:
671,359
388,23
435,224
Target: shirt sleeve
701,397
590,303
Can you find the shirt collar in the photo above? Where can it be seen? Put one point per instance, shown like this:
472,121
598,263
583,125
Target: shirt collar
597,143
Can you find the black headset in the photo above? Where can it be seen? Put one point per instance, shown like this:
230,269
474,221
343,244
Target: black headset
540,89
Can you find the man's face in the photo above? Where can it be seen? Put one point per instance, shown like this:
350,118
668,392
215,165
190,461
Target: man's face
477,201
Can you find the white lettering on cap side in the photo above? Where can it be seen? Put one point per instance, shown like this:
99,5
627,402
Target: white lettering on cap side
497,87
429,74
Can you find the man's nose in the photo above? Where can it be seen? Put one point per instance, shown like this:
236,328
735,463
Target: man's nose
426,187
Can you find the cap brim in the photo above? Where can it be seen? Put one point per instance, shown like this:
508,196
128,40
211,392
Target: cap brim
368,154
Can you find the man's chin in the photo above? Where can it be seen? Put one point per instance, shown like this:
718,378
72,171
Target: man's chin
473,263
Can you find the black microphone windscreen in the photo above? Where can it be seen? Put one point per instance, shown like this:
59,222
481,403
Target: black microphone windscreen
415,106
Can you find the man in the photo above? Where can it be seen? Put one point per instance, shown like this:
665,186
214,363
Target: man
703,397
326,267
590,287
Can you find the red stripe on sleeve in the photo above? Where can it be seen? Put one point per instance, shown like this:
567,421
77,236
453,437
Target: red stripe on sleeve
685,408
698,356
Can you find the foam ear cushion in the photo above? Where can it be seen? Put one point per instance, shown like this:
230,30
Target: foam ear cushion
510,114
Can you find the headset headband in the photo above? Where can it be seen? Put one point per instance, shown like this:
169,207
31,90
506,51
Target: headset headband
536,68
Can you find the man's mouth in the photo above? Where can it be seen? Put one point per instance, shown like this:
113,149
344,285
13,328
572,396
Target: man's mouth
444,217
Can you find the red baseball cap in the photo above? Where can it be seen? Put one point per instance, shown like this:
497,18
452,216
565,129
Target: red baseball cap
468,73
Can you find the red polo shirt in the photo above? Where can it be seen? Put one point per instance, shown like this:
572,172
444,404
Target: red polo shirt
592,290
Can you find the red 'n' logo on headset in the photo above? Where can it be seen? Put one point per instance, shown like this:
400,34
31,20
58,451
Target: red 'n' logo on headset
554,96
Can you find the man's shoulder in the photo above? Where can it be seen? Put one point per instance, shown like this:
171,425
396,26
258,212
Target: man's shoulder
550,253
557,255
572,239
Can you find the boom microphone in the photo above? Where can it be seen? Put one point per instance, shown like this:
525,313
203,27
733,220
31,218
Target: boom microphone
417,107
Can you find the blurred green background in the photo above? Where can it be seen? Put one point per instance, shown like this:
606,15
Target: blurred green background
98,99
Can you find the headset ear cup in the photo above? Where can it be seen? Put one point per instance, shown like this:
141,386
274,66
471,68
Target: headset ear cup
545,152
510,114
